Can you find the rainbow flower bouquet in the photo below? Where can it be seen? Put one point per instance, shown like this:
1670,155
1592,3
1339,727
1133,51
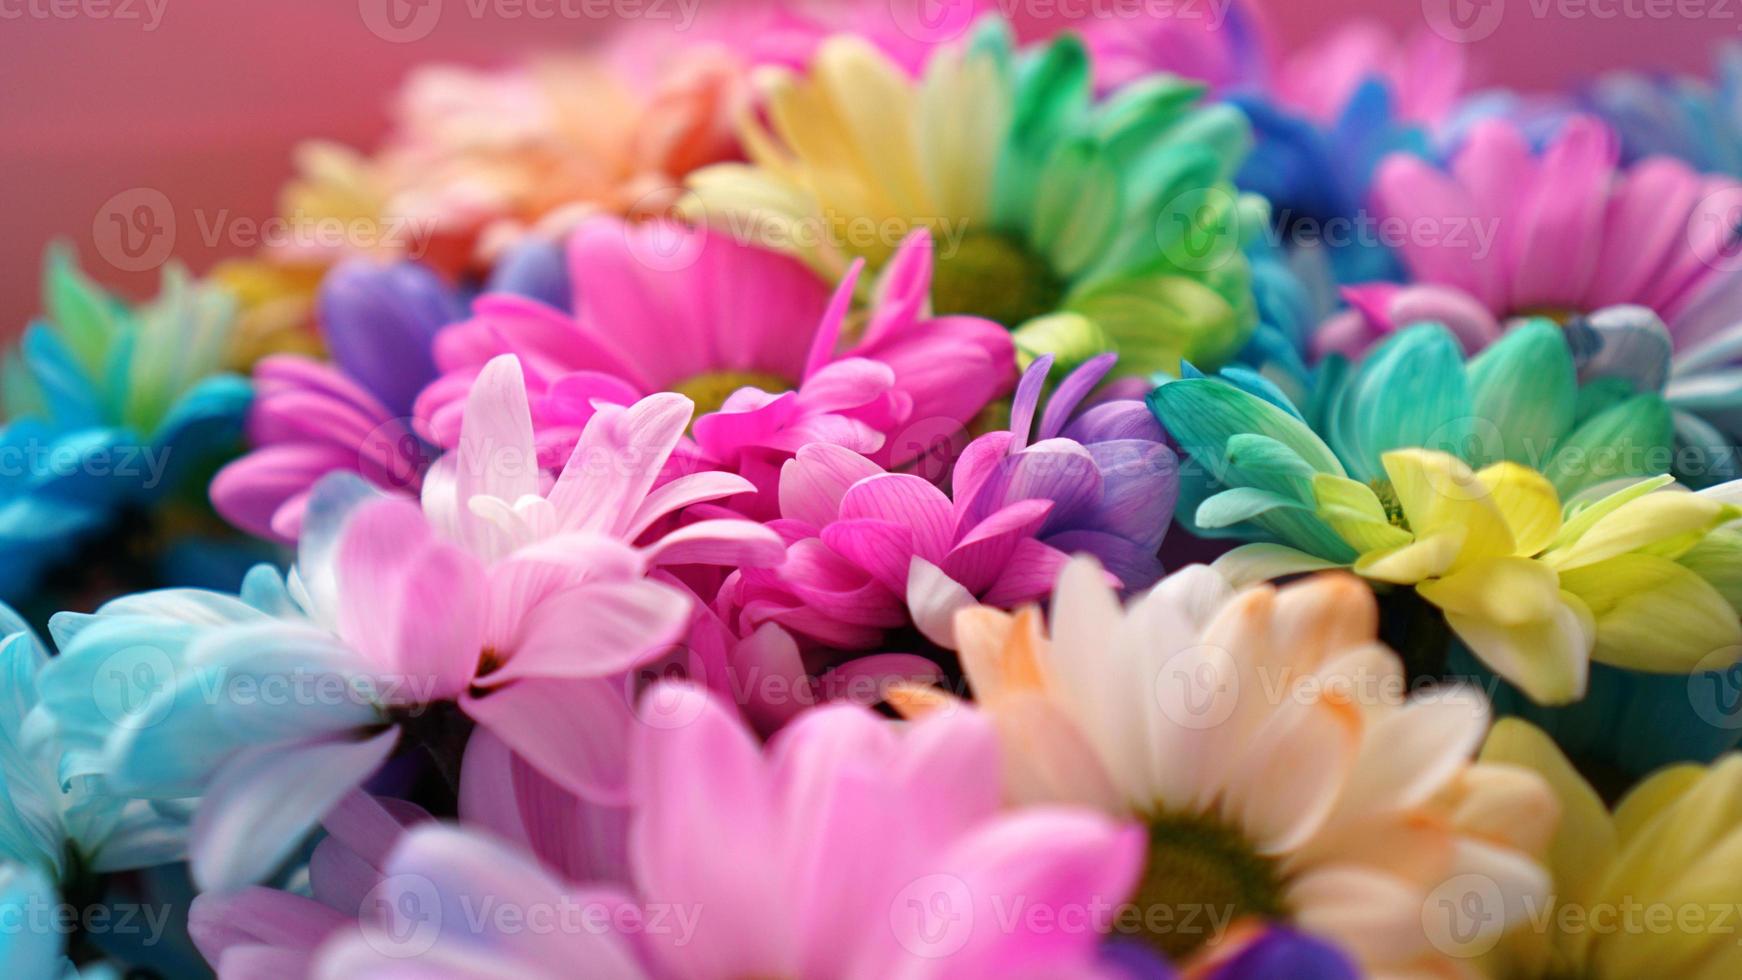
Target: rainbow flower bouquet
814,497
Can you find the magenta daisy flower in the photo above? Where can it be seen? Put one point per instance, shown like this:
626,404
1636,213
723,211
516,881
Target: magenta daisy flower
1507,232
752,337
870,551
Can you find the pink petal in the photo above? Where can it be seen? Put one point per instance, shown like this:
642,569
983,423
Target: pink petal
250,491
411,603
683,492
1560,225
813,483
906,500
497,456
575,732
465,872
1499,172
983,552
1414,191
882,548
728,543
705,814
1029,576
845,385
258,916
620,455
595,630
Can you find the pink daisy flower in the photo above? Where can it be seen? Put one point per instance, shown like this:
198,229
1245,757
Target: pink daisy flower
870,851
751,336
870,551
1506,232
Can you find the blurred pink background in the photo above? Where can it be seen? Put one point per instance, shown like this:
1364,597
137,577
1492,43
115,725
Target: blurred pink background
203,99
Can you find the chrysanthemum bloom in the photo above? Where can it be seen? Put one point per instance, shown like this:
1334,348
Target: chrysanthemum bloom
107,414
312,418
1560,233
877,852
521,604
59,825
1649,890
1266,740
1508,233
1451,479
870,551
751,335
1225,47
476,161
1041,199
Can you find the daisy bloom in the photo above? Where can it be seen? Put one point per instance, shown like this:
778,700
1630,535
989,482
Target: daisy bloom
1668,853
1545,538
752,336
1042,200
525,606
1265,739
901,875
110,415
870,550
1561,233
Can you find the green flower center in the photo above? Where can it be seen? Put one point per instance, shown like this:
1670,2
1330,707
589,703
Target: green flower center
1202,875
994,276
1387,495
710,391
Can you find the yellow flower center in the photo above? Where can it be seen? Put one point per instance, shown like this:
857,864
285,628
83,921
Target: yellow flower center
1201,876
1387,495
710,391
994,276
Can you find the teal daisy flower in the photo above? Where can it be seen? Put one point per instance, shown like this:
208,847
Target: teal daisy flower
111,417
